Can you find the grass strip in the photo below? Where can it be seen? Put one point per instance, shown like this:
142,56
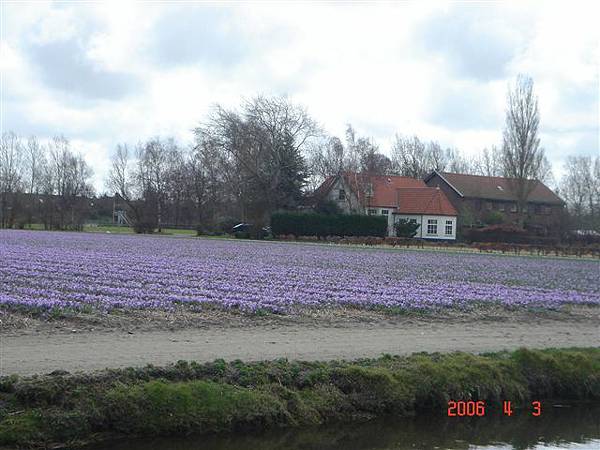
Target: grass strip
225,396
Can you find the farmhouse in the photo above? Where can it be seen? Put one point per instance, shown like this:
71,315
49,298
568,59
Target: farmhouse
477,198
396,198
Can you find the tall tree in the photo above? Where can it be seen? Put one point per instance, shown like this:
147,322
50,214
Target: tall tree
326,157
68,179
580,187
11,173
523,159
267,141
410,157
35,161
154,160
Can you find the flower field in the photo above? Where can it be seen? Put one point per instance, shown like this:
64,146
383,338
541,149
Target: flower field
46,270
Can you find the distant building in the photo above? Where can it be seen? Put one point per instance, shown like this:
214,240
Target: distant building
396,198
477,197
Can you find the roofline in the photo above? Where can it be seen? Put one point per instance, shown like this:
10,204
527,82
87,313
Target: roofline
398,213
435,172
540,202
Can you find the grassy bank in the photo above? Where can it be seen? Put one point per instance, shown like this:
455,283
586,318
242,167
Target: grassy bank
219,396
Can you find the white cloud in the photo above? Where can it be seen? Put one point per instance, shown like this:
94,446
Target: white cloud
127,71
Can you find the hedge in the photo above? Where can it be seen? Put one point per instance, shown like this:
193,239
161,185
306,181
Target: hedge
506,234
321,225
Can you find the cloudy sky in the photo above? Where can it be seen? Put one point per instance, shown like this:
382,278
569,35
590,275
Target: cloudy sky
107,72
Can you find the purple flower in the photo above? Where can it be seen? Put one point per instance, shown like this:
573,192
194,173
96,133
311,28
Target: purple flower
44,270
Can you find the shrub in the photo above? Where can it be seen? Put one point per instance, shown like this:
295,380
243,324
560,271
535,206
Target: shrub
406,228
327,207
321,225
225,225
494,218
498,233
144,227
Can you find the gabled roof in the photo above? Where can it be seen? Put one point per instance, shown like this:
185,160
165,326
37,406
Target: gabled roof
495,188
325,187
385,189
424,200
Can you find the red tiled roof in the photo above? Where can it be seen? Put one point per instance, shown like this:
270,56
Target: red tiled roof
497,188
385,188
427,200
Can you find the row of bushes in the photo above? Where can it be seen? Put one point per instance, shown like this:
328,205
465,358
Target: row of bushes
507,234
322,225
546,250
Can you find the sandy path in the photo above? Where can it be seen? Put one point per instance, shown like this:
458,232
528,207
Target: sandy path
45,352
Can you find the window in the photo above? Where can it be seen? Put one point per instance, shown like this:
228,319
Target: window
341,194
385,212
525,208
431,226
489,206
513,207
371,212
538,209
547,210
412,220
369,190
448,228
501,207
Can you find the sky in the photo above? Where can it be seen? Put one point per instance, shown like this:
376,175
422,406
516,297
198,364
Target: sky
102,73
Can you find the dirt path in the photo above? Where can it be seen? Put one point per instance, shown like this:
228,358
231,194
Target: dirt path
47,351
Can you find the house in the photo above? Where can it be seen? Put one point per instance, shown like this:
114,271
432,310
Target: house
430,208
396,198
477,198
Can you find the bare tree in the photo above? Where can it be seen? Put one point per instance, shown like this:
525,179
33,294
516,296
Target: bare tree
35,161
522,157
11,172
458,163
68,183
352,152
122,182
438,159
266,142
410,157
326,157
489,163
356,155
153,167
580,187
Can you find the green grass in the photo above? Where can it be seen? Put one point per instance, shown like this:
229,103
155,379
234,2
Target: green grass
221,396
118,229
129,230
34,226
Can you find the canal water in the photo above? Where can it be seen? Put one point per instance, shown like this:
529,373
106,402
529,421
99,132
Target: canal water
557,428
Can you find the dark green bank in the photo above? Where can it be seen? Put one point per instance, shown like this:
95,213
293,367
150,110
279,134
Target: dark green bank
219,397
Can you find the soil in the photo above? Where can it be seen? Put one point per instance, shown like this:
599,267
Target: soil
85,342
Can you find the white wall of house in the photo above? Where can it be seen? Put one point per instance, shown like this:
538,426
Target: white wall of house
431,227
349,204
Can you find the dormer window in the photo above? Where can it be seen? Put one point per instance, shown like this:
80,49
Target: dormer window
500,188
